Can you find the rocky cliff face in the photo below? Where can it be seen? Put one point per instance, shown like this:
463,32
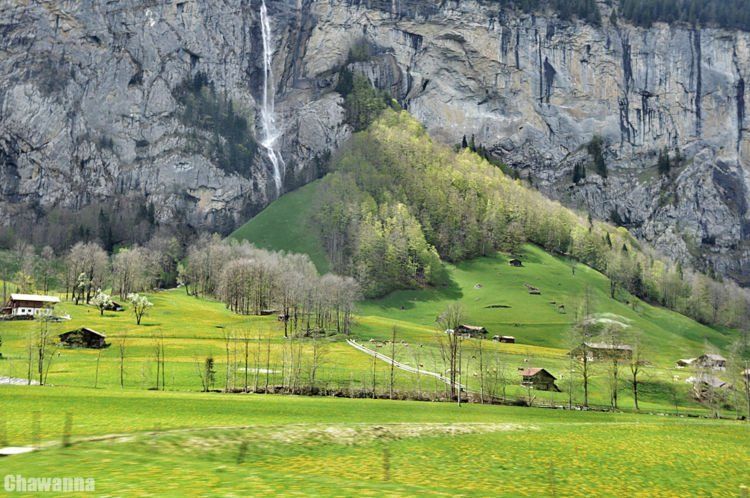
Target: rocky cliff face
90,113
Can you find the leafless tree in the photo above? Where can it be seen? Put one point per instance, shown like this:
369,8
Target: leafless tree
392,379
449,321
317,357
121,347
584,332
637,363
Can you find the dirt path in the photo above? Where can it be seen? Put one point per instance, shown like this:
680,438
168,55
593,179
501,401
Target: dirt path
402,366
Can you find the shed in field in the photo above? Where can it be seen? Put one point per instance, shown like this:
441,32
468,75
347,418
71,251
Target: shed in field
712,361
84,338
685,362
539,379
515,262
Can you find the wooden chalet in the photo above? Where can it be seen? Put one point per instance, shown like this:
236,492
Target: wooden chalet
84,338
508,339
29,305
539,379
471,331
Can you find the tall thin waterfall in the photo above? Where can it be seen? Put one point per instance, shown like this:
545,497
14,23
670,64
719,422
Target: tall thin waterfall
271,134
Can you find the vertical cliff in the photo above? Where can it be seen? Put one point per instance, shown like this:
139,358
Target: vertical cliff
535,91
134,102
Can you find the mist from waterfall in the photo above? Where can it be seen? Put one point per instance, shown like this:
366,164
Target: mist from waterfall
271,133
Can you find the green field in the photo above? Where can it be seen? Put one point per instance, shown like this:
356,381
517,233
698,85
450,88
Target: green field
494,295
135,440
170,444
286,225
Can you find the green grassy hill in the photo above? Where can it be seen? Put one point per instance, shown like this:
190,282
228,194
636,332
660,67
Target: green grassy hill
285,225
495,295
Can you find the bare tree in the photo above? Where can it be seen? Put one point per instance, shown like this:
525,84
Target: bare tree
613,335
391,382
449,321
584,332
121,347
636,363
43,343
319,352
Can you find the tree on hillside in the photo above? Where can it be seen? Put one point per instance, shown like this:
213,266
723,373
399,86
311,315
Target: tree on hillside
449,320
44,343
636,363
88,269
392,379
102,301
46,267
583,333
140,305
614,334
121,350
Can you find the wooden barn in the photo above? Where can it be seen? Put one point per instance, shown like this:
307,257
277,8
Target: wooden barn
515,262
603,351
84,338
539,379
471,331
712,361
508,339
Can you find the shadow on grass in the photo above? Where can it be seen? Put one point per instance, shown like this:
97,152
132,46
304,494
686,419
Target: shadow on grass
406,299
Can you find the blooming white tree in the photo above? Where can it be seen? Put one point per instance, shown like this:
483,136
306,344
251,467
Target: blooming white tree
102,301
140,304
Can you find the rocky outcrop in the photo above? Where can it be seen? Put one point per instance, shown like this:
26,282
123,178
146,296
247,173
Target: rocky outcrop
88,112
535,91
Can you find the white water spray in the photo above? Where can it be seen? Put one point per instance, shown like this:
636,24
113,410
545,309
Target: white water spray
271,134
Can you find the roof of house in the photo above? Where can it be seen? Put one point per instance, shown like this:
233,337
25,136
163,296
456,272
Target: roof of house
530,372
85,329
34,297
471,327
507,337
709,380
686,361
712,356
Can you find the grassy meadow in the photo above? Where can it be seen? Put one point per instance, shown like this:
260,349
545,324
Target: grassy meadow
172,444
136,440
193,329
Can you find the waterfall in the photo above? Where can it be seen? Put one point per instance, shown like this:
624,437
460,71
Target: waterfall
267,117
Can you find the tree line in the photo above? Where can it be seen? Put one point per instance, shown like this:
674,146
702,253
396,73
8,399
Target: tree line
250,280
733,14
396,203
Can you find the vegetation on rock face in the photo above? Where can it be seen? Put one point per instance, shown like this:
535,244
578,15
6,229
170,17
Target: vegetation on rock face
396,196
586,10
733,14
595,149
723,13
231,143
363,103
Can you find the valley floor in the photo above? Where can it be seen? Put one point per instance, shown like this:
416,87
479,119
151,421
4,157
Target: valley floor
171,444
